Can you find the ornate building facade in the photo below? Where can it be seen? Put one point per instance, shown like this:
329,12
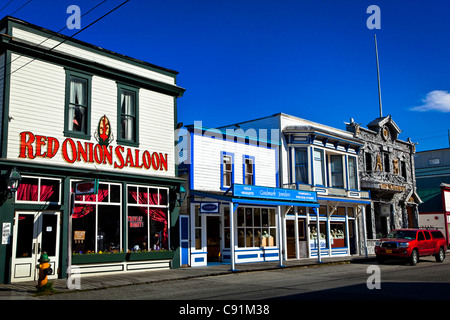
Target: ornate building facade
386,170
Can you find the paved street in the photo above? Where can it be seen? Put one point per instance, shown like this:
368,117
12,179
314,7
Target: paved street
428,280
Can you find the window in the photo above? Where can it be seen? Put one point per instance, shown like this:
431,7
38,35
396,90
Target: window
249,168
352,173
227,167
337,171
403,169
368,157
387,164
42,190
256,227
301,165
96,220
147,218
337,232
77,106
319,177
128,104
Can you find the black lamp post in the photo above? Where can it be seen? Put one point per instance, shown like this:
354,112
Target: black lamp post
12,182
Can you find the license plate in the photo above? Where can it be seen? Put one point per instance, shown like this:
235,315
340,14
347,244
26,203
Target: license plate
388,251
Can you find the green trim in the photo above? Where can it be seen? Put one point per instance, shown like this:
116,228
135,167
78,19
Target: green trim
75,134
120,140
28,166
6,96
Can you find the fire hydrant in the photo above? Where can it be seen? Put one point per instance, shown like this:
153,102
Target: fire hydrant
44,269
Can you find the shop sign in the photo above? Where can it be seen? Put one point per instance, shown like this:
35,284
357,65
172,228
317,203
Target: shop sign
86,188
249,191
136,221
209,207
72,151
6,232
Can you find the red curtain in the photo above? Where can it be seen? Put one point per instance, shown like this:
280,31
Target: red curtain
156,214
29,192
80,210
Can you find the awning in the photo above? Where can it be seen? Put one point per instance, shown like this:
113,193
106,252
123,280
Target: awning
253,199
346,200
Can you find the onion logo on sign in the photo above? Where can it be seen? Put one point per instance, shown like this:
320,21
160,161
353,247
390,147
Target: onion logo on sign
104,135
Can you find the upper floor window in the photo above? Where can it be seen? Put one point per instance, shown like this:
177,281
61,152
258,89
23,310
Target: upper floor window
227,170
319,176
77,105
301,165
128,105
352,173
337,171
249,170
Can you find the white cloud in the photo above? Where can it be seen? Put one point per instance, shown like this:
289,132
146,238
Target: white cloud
436,100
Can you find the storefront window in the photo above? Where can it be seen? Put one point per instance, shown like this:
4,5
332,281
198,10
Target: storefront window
226,226
323,235
147,218
256,227
198,228
337,231
96,220
39,190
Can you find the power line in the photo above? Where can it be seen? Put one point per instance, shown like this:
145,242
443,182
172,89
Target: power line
96,6
89,25
21,7
6,5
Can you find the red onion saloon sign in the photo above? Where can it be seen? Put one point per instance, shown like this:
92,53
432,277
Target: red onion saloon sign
34,146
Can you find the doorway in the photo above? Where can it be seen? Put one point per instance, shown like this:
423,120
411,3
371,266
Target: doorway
34,232
213,238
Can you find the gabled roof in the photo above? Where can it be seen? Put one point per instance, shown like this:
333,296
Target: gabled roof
380,122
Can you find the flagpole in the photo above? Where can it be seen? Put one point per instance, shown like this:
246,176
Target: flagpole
378,76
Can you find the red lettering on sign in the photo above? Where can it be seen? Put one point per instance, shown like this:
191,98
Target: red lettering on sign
26,148
32,146
73,151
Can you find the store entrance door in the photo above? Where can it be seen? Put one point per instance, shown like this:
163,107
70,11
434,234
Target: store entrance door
213,238
290,234
34,233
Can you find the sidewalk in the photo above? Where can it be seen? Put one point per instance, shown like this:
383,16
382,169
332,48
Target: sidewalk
27,290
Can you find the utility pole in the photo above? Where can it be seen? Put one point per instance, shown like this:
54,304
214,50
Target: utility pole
378,76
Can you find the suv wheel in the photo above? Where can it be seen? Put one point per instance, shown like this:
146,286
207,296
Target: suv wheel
414,257
441,255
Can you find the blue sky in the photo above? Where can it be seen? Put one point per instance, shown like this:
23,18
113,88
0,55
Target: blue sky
315,59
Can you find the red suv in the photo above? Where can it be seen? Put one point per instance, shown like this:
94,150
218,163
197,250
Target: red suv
410,244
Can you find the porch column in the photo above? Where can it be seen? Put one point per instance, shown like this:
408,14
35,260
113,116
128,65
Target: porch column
232,236
319,258
363,213
280,238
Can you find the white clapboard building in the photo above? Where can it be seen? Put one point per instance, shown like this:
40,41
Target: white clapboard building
73,112
235,201
317,158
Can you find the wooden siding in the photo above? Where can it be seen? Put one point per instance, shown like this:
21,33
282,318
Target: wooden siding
37,99
207,163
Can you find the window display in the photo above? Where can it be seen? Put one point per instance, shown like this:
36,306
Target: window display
96,220
256,227
147,218
337,232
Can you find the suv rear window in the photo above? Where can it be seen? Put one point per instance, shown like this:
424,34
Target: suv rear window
437,234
